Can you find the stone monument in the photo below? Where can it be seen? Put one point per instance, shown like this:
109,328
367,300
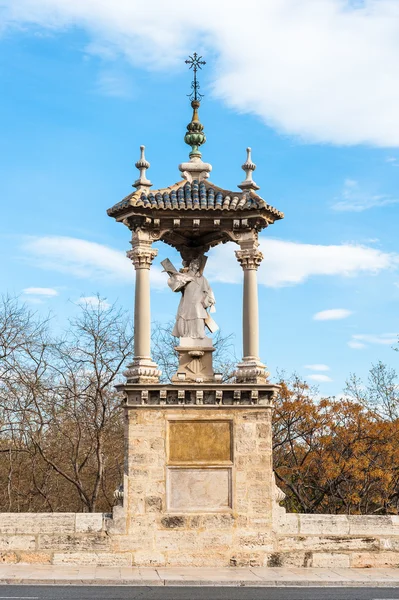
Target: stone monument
199,486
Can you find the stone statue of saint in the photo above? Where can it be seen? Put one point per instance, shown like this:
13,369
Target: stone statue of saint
197,297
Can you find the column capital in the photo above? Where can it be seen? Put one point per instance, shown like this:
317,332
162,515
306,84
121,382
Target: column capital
249,258
142,256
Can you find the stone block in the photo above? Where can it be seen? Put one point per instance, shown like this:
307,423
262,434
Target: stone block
32,523
174,522
39,558
370,525
217,521
323,524
149,559
256,541
17,542
246,559
390,544
78,543
263,430
327,544
153,504
327,560
289,523
288,559
101,559
8,557
88,522
176,541
375,560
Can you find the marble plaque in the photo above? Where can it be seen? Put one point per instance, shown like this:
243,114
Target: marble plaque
200,442
199,490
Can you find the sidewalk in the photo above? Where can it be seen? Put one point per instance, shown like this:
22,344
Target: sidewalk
190,576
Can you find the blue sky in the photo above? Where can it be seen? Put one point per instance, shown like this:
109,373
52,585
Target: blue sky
83,86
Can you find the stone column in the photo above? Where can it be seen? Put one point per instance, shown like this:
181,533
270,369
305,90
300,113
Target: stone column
143,369
250,370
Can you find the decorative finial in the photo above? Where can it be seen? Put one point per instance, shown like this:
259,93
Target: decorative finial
142,165
195,63
195,135
248,167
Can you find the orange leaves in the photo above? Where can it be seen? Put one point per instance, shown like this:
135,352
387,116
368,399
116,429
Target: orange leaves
334,455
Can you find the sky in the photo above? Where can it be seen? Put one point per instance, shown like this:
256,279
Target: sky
311,86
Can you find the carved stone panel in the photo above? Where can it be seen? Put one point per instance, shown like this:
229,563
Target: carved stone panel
199,490
205,442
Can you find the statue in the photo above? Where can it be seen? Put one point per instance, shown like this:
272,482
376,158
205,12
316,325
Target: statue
197,297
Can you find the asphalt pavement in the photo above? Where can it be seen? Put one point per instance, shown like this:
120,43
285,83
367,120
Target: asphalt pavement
93,592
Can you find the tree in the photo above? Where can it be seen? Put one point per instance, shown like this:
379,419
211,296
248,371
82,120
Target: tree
61,407
334,455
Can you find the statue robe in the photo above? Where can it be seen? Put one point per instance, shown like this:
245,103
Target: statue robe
197,296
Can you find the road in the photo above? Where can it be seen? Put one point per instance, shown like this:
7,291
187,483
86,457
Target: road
40,592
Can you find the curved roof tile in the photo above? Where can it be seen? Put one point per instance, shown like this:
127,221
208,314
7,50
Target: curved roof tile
195,196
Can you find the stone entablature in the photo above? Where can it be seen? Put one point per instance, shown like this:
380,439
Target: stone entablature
198,395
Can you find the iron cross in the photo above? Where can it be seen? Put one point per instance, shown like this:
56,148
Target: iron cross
195,63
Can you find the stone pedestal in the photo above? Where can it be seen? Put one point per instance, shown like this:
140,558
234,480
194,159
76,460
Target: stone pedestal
199,484
195,361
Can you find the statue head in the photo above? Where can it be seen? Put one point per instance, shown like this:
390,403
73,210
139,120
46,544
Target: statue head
197,264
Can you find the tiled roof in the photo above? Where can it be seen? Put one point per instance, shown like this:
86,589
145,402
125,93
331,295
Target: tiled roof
195,196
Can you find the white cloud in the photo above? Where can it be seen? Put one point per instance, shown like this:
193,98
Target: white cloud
317,367
286,263
323,70
290,263
319,378
94,302
85,260
356,345
354,199
362,340
392,160
39,291
333,314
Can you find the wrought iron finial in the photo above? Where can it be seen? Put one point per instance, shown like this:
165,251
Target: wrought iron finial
195,63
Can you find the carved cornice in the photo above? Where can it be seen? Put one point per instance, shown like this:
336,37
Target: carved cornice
249,258
142,256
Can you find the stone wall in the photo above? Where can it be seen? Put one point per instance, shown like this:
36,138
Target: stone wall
298,540
335,541
56,538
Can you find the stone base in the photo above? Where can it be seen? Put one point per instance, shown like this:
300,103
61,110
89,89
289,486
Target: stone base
195,361
251,370
142,370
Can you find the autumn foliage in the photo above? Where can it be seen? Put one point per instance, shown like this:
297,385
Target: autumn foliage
335,455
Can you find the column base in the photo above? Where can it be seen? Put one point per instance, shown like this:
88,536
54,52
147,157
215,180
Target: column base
142,370
251,370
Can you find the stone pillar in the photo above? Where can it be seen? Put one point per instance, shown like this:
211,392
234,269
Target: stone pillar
250,370
143,369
